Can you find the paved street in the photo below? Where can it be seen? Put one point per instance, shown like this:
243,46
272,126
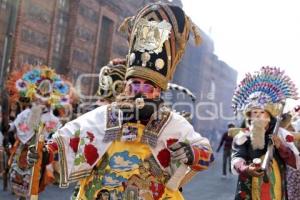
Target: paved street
207,185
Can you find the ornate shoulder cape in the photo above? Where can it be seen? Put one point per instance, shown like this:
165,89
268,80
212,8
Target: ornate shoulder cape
81,143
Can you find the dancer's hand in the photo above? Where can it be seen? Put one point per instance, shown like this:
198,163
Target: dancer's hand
276,141
32,156
182,152
252,170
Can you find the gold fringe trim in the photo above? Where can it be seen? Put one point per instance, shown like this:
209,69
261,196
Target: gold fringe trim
196,32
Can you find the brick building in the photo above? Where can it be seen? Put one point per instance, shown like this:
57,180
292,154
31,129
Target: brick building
73,36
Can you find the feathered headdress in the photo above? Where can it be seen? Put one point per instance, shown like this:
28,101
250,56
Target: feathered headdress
38,82
263,89
10,84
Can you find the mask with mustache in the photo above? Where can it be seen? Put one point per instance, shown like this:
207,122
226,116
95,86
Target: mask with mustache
258,131
133,110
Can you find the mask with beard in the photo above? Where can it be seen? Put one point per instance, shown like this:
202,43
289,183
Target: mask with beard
258,133
133,112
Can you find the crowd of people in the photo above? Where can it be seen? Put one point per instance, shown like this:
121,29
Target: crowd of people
130,144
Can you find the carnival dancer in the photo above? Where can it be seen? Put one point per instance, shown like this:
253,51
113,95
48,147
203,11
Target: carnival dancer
44,89
262,150
135,148
291,122
226,140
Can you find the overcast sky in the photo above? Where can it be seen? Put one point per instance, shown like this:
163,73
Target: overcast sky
250,34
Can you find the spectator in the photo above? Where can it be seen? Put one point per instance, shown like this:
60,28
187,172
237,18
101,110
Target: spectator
227,142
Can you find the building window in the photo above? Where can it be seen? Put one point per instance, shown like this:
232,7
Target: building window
106,36
82,56
35,12
88,13
63,5
3,4
35,38
60,32
30,59
85,34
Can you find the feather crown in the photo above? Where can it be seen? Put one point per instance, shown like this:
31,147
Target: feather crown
263,89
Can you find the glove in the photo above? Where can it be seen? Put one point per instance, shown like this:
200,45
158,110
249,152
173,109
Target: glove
182,152
32,156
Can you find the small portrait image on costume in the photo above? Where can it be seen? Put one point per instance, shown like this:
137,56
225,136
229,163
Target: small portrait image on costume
129,133
103,195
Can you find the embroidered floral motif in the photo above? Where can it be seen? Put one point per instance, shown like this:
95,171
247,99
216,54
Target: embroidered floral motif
113,180
164,157
171,141
90,136
23,127
289,138
74,144
243,195
123,162
91,154
244,188
79,159
75,141
157,190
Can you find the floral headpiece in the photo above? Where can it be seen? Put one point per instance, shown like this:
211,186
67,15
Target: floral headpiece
263,89
41,83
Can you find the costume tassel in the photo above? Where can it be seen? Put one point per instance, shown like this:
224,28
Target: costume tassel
196,32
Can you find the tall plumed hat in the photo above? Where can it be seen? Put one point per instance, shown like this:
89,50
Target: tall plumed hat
38,83
111,79
158,35
264,89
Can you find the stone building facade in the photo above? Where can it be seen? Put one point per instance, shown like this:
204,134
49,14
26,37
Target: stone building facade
212,81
